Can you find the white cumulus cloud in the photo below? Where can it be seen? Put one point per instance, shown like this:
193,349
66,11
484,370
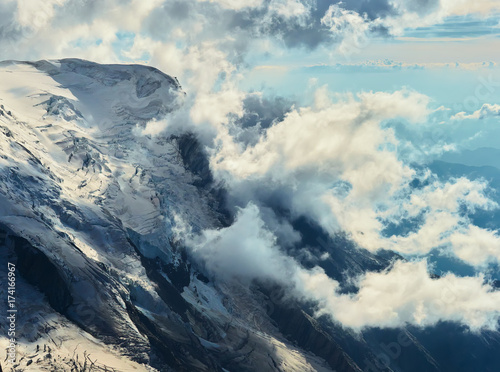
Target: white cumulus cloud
486,111
401,295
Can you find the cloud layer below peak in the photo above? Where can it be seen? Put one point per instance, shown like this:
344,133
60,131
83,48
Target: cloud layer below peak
403,294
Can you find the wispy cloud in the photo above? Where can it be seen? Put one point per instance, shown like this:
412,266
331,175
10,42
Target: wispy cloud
401,295
486,111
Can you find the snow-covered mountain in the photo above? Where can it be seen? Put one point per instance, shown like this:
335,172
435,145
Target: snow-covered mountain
89,213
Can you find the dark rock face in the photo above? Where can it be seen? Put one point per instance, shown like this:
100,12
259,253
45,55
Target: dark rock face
194,158
147,328
167,352
145,87
39,271
57,105
168,291
457,349
344,258
298,326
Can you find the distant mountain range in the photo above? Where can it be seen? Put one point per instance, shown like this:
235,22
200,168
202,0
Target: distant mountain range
484,156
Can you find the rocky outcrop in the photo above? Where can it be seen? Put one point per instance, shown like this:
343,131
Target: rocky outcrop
307,333
39,271
194,158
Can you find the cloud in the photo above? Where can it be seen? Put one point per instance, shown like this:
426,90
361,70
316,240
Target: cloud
437,208
387,65
486,111
245,250
310,160
215,107
464,7
290,9
421,13
36,14
333,139
406,294
403,294
451,196
476,246
163,34
151,128
57,29
312,148
337,163
349,27
259,113
431,234
236,4
442,210
354,24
